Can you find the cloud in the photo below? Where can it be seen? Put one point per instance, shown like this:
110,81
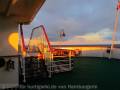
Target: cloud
99,37
88,21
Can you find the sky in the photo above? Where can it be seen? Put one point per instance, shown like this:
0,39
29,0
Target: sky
83,21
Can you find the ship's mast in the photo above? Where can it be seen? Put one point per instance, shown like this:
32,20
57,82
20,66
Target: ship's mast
115,28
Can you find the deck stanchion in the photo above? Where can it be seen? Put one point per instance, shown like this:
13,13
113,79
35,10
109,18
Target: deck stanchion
70,59
23,51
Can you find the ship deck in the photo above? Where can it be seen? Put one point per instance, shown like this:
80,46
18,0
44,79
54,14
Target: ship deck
102,72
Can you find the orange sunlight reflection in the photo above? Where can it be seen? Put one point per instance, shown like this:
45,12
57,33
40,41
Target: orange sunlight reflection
13,40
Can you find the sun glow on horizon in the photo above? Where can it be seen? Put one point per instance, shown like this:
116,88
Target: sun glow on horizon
83,48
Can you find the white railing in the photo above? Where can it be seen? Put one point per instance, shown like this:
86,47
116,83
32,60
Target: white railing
57,66
101,53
